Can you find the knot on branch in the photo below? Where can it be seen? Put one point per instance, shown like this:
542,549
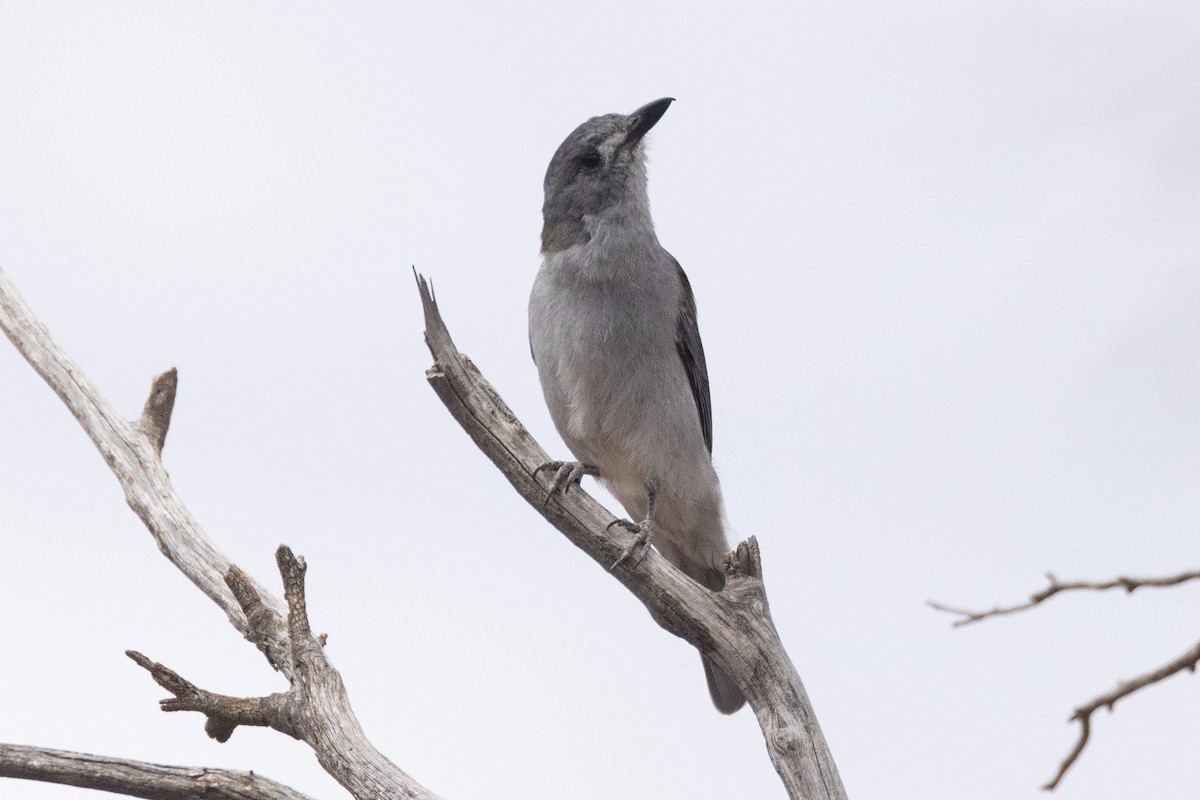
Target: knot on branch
219,729
784,741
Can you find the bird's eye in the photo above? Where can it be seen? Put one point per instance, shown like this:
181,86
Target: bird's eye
590,161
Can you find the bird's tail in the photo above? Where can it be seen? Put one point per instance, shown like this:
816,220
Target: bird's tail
726,695
691,535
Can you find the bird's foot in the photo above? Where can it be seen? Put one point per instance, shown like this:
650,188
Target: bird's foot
565,474
640,544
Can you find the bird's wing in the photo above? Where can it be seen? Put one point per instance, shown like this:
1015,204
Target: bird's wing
691,353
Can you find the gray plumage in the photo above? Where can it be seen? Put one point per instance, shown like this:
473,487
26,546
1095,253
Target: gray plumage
612,327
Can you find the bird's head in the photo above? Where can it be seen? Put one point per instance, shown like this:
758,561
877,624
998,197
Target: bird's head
598,173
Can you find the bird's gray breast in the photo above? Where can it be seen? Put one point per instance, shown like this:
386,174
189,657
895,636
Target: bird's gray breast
604,347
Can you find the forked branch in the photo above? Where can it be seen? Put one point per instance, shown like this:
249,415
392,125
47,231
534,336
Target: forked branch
316,708
133,451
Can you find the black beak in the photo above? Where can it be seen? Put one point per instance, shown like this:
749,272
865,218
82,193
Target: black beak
642,120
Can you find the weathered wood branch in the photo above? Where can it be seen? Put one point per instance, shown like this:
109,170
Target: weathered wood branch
137,778
316,708
733,627
133,451
223,712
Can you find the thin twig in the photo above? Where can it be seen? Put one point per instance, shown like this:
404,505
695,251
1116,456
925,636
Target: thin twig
1129,584
1083,714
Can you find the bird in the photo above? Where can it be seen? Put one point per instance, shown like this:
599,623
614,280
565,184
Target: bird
614,335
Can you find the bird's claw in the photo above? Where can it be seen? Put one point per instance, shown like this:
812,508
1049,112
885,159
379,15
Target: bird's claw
640,544
565,474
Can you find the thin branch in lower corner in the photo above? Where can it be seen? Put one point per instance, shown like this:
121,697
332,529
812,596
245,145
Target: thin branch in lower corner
1083,714
1085,731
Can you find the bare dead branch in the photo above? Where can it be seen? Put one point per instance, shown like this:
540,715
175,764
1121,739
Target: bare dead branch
293,569
733,628
132,451
1085,732
224,713
1129,584
1083,714
316,708
137,778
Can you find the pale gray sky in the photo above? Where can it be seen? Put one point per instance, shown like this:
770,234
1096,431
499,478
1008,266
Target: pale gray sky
947,261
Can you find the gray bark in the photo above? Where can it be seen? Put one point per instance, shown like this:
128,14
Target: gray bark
316,709
138,778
